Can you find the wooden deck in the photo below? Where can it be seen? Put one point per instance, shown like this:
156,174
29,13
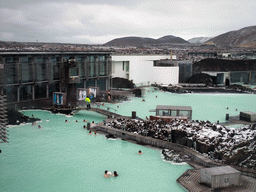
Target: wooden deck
233,120
190,181
108,113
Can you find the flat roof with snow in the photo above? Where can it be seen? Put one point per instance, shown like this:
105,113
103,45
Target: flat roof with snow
173,108
220,170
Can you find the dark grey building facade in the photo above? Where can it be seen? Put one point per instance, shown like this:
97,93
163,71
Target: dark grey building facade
28,79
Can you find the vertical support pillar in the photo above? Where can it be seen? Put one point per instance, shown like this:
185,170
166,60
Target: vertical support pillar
134,114
33,92
47,90
227,116
18,93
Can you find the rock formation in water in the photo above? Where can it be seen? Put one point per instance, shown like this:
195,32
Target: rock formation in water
16,118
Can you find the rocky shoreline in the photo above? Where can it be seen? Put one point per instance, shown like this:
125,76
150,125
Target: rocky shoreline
227,145
16,118
206,89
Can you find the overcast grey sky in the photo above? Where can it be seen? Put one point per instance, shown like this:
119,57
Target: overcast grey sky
99,21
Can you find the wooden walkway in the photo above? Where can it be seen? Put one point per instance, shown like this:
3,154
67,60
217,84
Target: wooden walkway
233,120
108,113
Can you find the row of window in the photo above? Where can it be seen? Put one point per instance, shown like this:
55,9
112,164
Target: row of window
56,59
25,92
43,72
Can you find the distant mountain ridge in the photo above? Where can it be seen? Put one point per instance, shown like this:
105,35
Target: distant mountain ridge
138,41
199,39
245,37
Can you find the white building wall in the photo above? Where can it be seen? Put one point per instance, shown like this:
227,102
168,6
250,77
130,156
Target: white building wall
141,69
117,69
166,75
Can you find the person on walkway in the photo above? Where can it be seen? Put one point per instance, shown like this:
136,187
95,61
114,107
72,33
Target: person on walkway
109,96
88,103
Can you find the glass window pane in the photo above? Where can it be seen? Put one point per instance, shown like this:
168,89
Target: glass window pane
73,71
25,92
102,68
10,74
173,113
11,94
40,90
164,112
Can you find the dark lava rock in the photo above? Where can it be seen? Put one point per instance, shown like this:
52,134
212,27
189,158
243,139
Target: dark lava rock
171,155
16,118
118,82
240,88
137,92
175,89
110,136
202,78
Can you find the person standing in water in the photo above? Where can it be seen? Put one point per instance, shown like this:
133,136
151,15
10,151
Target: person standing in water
115,174
107,174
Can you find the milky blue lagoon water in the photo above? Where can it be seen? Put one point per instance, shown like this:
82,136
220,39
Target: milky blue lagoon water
205,106
64,157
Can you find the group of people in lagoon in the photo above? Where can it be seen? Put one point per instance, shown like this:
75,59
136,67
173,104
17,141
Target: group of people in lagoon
108,174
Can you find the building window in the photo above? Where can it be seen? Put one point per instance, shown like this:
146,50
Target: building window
73,72
101,83
27,72
90,83
174,113
40,90
80,63
102,68
11,94
102,58
55,68
41,69
25,92
164,112
10,70
92,69
10,74
184,113
54,87
127,66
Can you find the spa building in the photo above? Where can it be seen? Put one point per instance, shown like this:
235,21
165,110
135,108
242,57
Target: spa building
31,78
160,69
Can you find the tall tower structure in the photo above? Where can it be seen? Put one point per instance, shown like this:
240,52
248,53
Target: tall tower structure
3,120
